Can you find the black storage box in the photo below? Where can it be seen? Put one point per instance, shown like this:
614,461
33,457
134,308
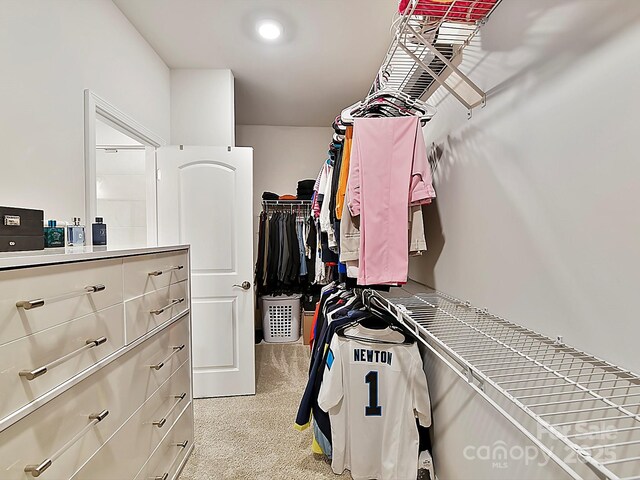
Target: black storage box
21,229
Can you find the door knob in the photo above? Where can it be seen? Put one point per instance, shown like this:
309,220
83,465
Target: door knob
245,285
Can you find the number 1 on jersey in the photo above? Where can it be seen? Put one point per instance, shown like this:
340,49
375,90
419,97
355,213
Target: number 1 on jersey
373,409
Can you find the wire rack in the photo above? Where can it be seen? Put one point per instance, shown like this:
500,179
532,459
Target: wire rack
588,406
301,207
427,48
273,203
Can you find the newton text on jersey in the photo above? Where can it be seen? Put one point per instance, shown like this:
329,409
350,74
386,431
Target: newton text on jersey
372,356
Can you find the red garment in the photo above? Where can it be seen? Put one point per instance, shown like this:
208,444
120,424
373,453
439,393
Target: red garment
313,326
467,11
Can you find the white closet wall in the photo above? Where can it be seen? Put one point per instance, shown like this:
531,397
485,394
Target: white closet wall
50,52
202,107
537,210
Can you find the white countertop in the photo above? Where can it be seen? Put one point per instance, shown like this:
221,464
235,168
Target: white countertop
74,254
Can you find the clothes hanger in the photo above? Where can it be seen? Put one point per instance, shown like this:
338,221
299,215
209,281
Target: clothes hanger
370,300
402,100
342,332
347,114
389,103
338,126
380,314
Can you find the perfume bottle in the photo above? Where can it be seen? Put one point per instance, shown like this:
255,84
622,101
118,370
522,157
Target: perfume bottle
75,234
53,235
99,232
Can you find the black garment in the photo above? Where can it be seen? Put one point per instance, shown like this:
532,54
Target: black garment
335,180
259,270
270,196
305,189
274,250
288,242
282,250
312,242
306,184
353,283
328,256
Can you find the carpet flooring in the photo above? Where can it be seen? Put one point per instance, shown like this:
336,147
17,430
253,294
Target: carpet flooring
253,437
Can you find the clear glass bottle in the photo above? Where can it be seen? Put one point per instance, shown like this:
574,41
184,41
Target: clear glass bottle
53,235
75,234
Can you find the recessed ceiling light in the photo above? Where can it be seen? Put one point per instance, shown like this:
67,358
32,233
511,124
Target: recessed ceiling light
269,29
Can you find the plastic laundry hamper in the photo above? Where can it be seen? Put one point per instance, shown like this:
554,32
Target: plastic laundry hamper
281,318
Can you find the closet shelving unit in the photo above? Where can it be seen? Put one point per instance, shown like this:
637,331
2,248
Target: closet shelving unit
589,407
427,48
283,205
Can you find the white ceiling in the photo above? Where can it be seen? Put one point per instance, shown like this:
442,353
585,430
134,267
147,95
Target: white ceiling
327,59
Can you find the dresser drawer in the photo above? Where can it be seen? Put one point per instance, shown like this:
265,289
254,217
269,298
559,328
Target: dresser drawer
121,387
172,450
127,451
65,290
42,434
156,359
33,365
148,273
145,313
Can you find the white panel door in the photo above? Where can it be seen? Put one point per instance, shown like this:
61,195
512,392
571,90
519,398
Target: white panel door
205,200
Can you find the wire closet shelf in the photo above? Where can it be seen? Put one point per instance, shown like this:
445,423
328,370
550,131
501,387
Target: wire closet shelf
303,207
427,46
589,407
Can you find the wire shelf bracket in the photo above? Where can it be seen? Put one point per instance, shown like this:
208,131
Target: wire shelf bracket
427,49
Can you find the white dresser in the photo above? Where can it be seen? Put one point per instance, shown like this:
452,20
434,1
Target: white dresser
95,364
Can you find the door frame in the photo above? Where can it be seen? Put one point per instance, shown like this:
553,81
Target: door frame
94,107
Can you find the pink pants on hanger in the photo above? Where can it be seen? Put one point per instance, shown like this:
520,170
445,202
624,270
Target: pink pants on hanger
389,171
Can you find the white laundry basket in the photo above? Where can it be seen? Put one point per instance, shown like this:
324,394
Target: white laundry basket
281,318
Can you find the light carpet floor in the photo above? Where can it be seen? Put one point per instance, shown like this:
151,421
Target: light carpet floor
253,437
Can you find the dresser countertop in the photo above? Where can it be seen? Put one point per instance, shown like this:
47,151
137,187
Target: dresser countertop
52,256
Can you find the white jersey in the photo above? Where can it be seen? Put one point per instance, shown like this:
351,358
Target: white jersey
373,393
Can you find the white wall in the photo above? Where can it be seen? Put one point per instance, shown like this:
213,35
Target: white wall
537,210
50,52
282,156
202,107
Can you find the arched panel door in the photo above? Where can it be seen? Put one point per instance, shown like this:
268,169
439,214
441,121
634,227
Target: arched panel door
205,200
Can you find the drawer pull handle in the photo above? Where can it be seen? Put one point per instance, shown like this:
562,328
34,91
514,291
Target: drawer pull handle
166,307
176,349
36,470
160,423
157,273
39,302
165,475
37,372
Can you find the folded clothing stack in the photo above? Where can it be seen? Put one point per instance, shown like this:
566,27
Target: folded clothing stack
270,196
305,189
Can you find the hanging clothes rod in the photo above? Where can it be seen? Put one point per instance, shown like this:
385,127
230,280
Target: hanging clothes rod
287,202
